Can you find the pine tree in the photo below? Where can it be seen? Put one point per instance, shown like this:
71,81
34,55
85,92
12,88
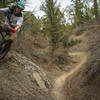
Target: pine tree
56,25
95,12
78,12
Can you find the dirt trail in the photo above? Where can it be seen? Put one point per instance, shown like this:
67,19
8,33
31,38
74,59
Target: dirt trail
59,92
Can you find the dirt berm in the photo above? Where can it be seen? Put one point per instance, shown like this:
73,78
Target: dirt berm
84,84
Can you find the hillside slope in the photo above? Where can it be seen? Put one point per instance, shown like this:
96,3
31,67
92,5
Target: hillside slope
84,85
75,78
21,79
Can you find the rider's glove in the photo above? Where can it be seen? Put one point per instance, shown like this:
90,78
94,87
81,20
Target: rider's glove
13,30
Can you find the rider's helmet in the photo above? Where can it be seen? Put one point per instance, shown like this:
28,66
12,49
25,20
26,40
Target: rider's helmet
20,5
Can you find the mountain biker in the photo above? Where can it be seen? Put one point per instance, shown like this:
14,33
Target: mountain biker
14,18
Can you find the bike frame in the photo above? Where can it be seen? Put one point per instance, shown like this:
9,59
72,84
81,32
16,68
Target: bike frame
3,37
1,30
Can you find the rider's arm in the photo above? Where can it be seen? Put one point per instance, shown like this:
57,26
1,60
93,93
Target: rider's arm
18,24
4,10
17,27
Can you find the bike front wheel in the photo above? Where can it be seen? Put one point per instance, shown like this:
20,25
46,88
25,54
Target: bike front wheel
4,47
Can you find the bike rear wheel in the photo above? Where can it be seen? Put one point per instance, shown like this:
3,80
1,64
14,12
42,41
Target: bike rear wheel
4,47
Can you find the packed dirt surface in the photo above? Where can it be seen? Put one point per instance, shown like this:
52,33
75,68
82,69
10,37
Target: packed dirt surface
73,74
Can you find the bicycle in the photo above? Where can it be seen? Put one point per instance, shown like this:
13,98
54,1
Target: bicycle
5,44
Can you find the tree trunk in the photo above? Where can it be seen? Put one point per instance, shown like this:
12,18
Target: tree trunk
96,9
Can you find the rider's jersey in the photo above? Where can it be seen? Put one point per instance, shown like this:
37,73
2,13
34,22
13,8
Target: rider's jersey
12,19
